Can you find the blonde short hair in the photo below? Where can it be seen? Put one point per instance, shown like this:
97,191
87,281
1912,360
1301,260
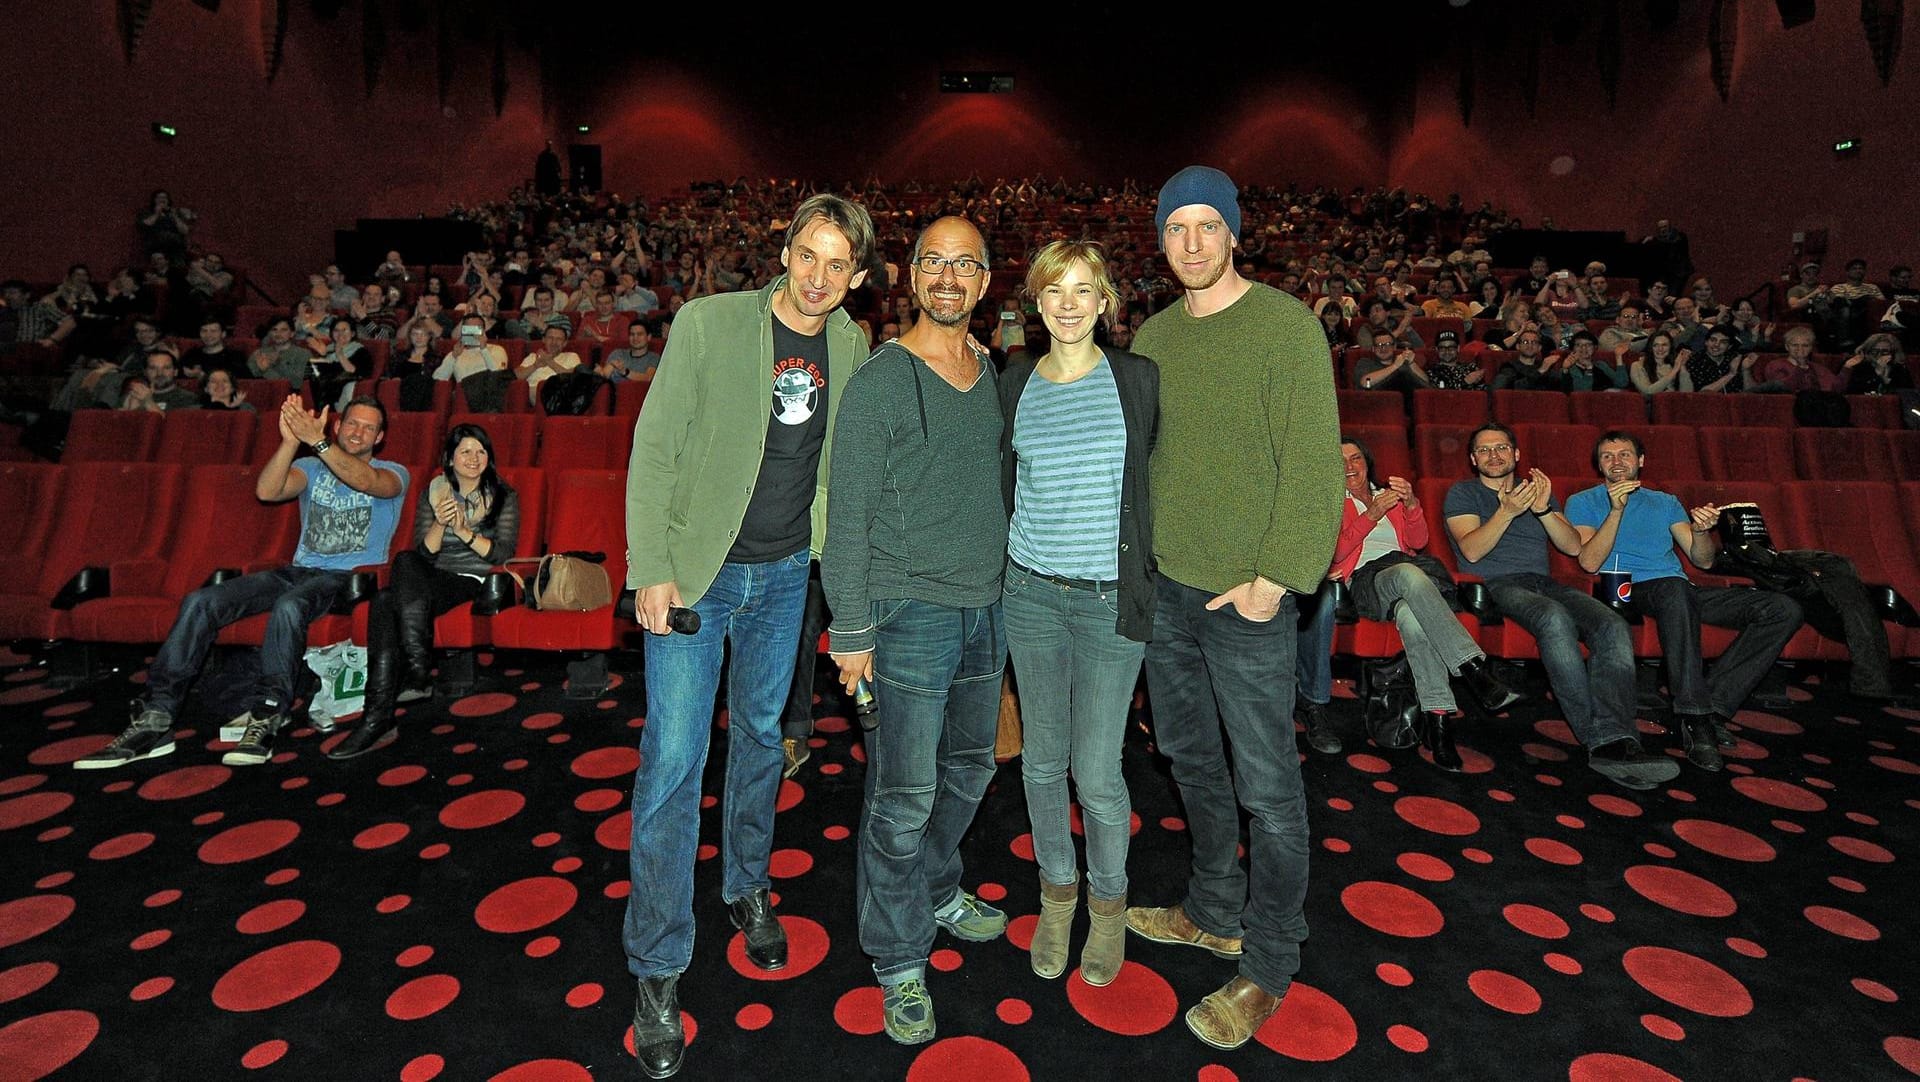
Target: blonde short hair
1050,264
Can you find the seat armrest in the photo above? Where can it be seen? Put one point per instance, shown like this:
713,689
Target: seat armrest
87,584
498,593
1891,605
362,583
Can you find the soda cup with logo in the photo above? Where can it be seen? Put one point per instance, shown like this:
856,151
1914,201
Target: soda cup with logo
1615,588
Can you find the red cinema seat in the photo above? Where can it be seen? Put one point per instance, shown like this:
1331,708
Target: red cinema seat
1863,521
106,513
1673,454
223,527
1903,447
1530,407
265,395
112,436
1468,408
1372,408
515,437
388,392
1388,445
1763,410
27,505
1557,449
1747,454
1441,450
586,512
630,395
1608,410
585,443
1842,454
204,437
1874,411
1689,408
413,440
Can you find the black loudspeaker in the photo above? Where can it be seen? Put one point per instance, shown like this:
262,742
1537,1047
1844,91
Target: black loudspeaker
1794,12
583,167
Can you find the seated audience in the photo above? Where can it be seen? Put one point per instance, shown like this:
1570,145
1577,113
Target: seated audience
220,391
1879,366
1797,371
1657,371
635,360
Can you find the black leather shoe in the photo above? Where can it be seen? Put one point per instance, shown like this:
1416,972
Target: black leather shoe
1492,695
1318,721
372,733
1696,738
766,940
1436,732
1626,764
659,1041
1721,737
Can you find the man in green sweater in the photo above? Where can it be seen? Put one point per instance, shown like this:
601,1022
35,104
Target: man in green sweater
1246,504
726,499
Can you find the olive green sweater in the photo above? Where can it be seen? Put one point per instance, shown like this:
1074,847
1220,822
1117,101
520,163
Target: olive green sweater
1247,477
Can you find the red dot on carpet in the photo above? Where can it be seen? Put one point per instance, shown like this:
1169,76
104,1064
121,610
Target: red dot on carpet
544,720
393,903
584,995
488,807
1688,981
1905,1051
276,975
788,863
264,1054
1503,991
396,776
615,833
423,1068
791,794
422,996
20,783
1422,866
1139,1001
483,705
381,836
1369,764
1014,1012
946,960
1310,1025
1861,849
413,956
598,800
1020,930
270,916
525,904
1436,815
1779,794
836,833
858,1011
1391,908
1407,1038
1562,964
24,980
1663,1027
184,782
1393,973
1022,847
618,761
1875,990
807,945
967,1059
1535,921
1614,805
1553,852
1613,1067
1724,841
1747,947
150,988
123,846
1682,892
250,841
1841,923
545,1070
541,946
62,752
33,808
24,918
753,1016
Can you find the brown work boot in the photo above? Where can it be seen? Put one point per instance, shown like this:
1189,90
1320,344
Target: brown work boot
1048,951
1228,1017
1106,946
1171,925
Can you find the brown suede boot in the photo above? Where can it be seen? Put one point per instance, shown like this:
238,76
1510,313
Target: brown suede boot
1049,946
1172,925
1106,945
1229,1017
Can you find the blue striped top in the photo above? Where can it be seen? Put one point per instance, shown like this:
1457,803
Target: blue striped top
1070,447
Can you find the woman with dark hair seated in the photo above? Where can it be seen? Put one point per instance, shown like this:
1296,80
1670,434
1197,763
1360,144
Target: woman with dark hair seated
1382,528
466,521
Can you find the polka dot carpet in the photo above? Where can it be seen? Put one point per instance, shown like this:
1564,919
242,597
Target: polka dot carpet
450,908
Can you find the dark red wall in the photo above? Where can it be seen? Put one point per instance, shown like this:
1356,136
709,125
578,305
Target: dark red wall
1740,177
272,168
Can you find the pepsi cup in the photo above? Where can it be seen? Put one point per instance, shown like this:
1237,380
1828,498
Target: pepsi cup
1615,588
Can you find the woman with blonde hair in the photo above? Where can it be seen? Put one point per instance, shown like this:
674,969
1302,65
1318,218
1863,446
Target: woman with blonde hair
1078,598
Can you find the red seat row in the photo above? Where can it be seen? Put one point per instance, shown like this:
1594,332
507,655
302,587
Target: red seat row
1611,409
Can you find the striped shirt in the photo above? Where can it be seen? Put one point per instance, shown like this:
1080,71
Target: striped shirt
1070,443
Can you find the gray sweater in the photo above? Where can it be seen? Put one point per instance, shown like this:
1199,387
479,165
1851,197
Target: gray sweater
456,557
914,508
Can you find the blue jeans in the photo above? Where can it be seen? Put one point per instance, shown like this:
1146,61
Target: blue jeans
293,598
757,607
937,677
1313,658
1076,680
1598,695
1209,671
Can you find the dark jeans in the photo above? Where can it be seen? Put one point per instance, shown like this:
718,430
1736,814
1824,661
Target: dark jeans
1597,695
293,597
1313,680
1214,671
797,722
1765,620
416,593
937,674
756,607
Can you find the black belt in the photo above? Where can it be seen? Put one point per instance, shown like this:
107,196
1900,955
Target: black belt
1094,585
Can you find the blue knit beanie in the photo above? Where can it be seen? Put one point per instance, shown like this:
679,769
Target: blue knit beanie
1204,185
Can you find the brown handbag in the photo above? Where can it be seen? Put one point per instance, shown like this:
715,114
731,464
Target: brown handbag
567,582
1007,739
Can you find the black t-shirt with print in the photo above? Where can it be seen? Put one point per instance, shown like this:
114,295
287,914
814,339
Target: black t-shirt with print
779,518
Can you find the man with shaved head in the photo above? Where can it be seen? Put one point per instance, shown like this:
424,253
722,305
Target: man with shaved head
916,544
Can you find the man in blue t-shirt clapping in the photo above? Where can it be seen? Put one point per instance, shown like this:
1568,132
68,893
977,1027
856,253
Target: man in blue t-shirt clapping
1626,528
350,502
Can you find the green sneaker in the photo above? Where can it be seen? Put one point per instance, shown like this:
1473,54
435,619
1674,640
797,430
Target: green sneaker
908,1012
971,919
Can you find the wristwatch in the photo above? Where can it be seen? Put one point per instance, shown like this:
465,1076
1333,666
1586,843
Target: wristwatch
320,445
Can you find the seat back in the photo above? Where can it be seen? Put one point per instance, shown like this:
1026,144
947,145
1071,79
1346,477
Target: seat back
1874,410
1608,410
1557,449
1903,448
1860,520
1441,450
585,443
223,525
1361,408
587,512
108,511
1692,408
27,504
112,436
1842,454
1747,454
1530,407
630,395
413,440
515,436
1468,408
1673,454
1763,410
197,437
531,484
1388,445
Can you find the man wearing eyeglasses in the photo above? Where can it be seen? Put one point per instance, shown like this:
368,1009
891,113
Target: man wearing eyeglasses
725,503
1501,522
916,544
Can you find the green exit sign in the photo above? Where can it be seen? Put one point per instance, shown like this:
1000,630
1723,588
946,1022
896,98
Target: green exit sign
1846,146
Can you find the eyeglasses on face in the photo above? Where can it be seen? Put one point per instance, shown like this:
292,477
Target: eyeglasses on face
1491,449
963,267
1881,352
